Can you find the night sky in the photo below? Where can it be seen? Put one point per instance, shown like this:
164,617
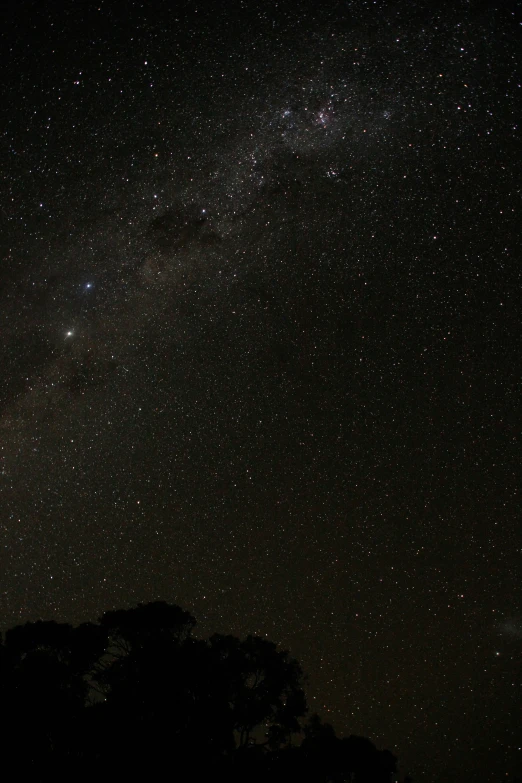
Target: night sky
260,344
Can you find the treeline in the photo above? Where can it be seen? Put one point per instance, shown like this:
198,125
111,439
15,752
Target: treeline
136,696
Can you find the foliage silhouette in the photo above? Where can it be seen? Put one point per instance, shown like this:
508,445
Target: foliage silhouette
137,694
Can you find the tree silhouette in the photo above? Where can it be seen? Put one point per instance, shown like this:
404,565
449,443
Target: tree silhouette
129,628
354,759
44,687
263,684
137,694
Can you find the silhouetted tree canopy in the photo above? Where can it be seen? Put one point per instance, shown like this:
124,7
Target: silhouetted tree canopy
136,694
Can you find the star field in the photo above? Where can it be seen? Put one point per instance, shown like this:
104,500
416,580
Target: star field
260,344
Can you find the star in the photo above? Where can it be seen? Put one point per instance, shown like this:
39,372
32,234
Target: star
329,194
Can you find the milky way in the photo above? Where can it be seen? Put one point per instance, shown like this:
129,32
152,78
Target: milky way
260,345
